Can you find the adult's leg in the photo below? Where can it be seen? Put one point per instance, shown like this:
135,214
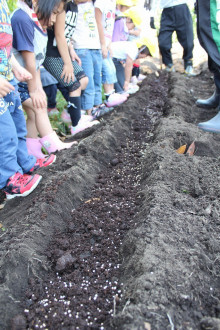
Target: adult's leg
167,27
184,30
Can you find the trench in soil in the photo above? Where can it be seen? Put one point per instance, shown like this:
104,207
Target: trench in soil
84,288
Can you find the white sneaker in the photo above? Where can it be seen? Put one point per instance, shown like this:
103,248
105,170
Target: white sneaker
132,89
134,80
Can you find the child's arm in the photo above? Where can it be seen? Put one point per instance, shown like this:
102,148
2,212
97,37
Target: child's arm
59,28
135,32
128,70
34,85
5,87
98,17
73,54
20,73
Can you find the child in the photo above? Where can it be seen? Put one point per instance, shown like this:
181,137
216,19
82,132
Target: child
120,31
49,84
29,42
124,54
14,157
87,46
105,19
134,20
66,68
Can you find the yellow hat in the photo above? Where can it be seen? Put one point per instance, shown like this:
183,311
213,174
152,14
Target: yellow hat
127,3
135,14
150,42
135,2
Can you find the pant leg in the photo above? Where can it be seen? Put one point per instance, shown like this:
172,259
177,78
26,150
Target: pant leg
51,92
97,65
120,73
88,95
25,160
167,27
184,30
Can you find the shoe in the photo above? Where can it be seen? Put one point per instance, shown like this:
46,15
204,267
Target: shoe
43,162
21,185
82,126
101,110
170,68
34,147
132,89
52,111
141,77
65,116
124,93
52,143
211,102
212,125
134,80
189,71
86,118
115,99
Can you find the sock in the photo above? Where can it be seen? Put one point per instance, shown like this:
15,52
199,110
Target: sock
110,93
74,109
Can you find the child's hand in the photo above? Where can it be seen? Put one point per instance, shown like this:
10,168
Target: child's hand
74,56
104,51
68,73
19,71
39,98
5,87
21,74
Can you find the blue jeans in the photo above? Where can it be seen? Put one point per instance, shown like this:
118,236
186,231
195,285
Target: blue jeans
108,71
14,156
92,66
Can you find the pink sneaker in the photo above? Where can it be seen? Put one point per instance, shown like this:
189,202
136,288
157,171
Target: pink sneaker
115,99
82,126
65,116
21,185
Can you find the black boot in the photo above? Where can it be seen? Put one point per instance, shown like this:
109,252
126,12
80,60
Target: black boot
209,103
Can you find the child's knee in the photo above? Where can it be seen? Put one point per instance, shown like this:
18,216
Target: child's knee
84,82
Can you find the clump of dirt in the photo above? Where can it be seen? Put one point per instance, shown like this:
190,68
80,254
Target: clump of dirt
124,231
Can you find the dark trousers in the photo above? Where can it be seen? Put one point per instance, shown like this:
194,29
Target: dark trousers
179,19
120,74
51,92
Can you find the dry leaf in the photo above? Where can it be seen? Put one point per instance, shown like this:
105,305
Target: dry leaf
1,225
191,149
181,149
147,326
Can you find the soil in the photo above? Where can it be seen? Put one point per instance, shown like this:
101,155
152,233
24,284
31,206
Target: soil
123,231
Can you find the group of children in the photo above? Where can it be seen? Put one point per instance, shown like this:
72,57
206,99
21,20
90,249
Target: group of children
73,41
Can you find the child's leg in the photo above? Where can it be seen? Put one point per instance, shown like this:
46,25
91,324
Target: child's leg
41,124
13,148
97,65
51,92
120,73
88,96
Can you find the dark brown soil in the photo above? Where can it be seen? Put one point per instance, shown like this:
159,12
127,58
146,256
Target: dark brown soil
123,232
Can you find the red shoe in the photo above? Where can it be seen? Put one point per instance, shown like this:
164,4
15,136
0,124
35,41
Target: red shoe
21,185
43,162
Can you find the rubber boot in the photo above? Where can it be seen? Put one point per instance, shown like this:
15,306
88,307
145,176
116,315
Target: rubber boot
209,103
52,143
212,125
34,148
